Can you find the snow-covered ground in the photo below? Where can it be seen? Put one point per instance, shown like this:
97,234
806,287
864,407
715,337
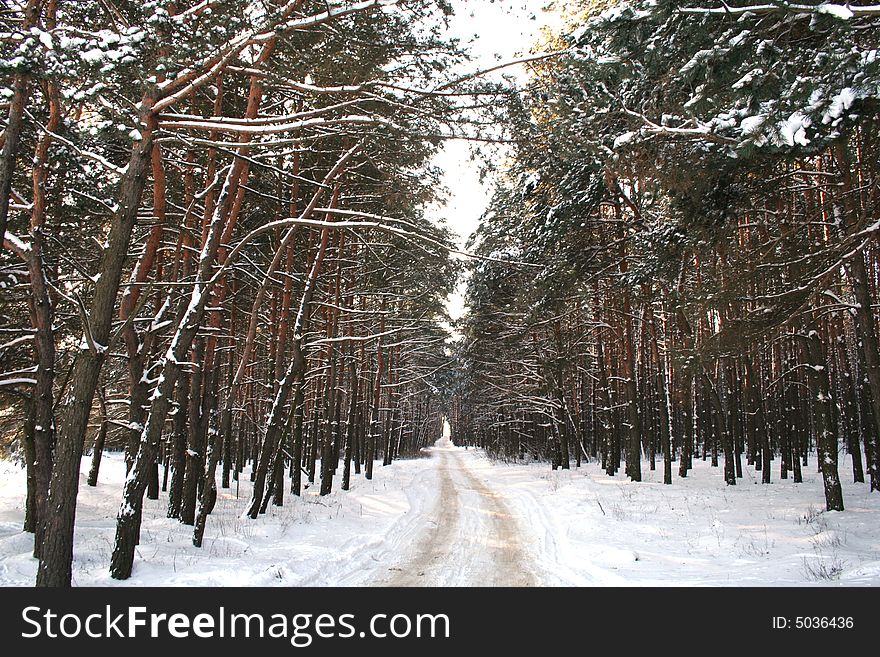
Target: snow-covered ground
529,524
341,539
590,529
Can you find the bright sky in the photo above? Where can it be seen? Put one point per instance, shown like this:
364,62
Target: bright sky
495,31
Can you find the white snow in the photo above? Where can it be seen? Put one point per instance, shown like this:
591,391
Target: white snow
576,527
344,538
16,242
530,184
92,55
793,130
622,140
46,39
839,104
591,529
751,123
739,38
157,392
838,11
18,381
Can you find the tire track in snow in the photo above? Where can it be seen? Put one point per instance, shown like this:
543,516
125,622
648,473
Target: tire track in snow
424,567
470,537
504,541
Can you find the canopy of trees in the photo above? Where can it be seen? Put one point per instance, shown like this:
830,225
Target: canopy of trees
695,185
215,247
216,254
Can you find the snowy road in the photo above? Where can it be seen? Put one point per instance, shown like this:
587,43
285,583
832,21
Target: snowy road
461,519
469,537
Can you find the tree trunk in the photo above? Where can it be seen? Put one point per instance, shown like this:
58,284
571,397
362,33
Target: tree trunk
209,486
15,120
757,420
633,420
848,406
722,431
40,304
327,437
195,451
863,316
189,320
178,446
298,411
30,510
153,482
868,347
663,393
821,394
56,555
293,377
685,457
100,438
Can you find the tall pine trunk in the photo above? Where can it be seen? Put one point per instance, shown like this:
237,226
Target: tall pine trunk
56,553
820,392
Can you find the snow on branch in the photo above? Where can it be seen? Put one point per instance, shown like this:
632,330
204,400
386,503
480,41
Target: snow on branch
381,222
16,341
18,382
224,125
335,12
197,9
262,120
355,338
470,76
652,128
194,81
14,244
843,12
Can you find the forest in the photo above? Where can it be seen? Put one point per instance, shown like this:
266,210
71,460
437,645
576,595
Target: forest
217,254
695,191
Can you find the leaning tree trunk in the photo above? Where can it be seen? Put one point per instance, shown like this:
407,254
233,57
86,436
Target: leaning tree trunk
15,120
209,486
56,554
188,323
294,376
